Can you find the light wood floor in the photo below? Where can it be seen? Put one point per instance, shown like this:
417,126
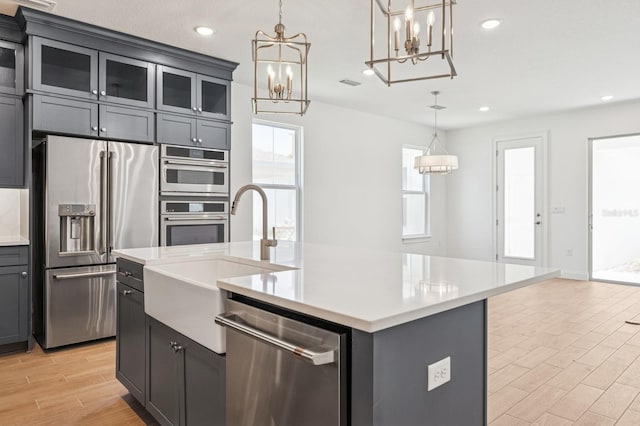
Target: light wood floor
560,353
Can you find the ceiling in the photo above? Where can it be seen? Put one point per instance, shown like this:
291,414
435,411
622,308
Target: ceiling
547,55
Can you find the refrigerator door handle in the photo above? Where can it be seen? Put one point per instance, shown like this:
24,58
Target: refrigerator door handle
110,189
83,275
102,249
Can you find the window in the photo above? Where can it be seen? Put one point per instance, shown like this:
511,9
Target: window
276,168
415,196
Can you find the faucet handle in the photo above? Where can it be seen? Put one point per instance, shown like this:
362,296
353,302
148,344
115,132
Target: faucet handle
273,242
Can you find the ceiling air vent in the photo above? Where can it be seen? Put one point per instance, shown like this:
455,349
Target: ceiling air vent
350,82
41,4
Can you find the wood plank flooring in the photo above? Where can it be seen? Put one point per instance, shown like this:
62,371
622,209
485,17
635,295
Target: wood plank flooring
560,353
70,386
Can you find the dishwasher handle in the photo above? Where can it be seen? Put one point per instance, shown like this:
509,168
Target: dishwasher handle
315,358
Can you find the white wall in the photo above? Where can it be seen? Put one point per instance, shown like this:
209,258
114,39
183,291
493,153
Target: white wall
470,191
14,213
352,176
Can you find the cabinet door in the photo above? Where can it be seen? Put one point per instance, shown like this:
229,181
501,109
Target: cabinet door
65,69
11,143
176,130
213,134
67,116
14,313
130,341
204,386
176,90
214,100
126,81
126,123
11,68
163,382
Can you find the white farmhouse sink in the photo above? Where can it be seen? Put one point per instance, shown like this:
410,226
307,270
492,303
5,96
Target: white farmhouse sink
184,296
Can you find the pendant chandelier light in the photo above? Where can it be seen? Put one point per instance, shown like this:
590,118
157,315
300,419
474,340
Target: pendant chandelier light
280,71
434,161
404,56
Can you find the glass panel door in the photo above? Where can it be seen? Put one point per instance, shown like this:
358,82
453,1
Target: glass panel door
519,201
65,69
176,90
212,97
8,68
615,209
126,81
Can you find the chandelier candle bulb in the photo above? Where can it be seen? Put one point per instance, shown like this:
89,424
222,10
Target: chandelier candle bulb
430,21
289,80
407,22
396,25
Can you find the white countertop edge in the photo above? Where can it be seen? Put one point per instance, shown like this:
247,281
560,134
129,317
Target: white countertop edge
14,241
390,321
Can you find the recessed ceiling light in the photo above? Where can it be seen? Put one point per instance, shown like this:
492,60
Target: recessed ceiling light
205,31
368,71
490,24
483,109
607,97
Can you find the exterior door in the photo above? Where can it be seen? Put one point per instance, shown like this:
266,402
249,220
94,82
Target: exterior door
519,210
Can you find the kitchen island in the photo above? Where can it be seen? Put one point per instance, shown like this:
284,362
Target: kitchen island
399,313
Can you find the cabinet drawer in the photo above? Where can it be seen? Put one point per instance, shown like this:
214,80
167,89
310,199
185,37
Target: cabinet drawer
60,115
130,273
14,255
126,123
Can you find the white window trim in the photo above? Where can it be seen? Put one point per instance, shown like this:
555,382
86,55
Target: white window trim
418,238
297,186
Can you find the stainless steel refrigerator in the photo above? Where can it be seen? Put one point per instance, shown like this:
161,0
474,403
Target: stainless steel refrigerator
97,196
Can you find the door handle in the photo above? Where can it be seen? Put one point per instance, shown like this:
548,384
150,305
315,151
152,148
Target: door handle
126,292
83,275
102,249
110,202
315,358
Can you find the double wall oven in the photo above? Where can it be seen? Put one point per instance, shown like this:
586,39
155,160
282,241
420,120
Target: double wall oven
194,196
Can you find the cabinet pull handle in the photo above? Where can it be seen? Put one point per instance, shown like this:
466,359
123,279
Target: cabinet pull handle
194,109
94,92
177,348
103,129
199,109
126,292
194,140
103,93
200,141
24,274
94,128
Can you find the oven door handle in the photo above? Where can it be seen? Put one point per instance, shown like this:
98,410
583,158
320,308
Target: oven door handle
196,163
192,218
313,357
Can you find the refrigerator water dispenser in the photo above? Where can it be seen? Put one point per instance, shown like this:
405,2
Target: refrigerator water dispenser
77,224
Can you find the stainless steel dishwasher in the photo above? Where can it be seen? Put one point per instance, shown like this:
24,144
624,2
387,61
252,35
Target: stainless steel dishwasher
282,372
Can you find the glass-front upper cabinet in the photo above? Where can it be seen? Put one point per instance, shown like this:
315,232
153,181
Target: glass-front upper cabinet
195,94
126,81
65,69
10,68
76,71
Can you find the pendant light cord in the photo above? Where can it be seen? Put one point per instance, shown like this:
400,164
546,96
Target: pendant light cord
435,122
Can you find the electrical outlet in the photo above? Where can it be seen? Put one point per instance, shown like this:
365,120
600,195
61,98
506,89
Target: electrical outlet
557,210
438,373
569,252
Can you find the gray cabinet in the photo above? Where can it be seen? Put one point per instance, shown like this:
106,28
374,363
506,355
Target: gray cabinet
11,68
69,116
126,123
186,381
189,131
76,71
14,295
185,92
11,142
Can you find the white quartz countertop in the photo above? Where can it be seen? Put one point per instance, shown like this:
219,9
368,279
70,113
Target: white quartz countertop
13,241
365,289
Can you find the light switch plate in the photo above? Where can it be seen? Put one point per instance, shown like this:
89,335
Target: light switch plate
438,373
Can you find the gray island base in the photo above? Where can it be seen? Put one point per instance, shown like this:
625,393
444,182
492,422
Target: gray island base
389,371
412,332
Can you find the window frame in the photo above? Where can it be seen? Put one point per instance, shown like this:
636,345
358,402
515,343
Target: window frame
297,186
409,238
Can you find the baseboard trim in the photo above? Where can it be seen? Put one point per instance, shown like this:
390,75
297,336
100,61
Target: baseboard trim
574,275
